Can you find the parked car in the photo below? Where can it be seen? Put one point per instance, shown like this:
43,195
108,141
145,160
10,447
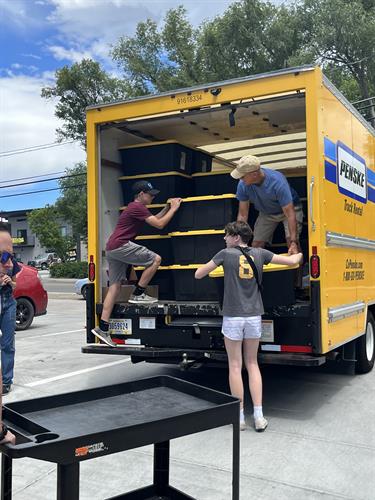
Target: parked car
80,287
32,298
45,260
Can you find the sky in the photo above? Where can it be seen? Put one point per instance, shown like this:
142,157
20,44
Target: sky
37,37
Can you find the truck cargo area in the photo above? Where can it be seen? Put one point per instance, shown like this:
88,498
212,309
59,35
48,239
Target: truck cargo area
188,319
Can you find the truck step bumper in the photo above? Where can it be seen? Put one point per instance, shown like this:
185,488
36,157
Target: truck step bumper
176,355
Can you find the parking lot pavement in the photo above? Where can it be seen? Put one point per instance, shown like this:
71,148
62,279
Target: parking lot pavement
320,443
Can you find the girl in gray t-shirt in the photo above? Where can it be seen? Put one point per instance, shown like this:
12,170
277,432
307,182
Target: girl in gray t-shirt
242,310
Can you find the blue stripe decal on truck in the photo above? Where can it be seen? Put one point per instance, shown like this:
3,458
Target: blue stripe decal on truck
371,177
330,172
371,194
330,149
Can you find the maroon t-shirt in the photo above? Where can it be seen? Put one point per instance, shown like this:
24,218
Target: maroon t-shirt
128,225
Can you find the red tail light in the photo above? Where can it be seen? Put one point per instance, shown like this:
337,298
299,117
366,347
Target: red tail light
91,269
314,264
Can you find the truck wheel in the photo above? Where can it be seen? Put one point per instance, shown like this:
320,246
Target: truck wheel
44,266
25,314
365,347
84,291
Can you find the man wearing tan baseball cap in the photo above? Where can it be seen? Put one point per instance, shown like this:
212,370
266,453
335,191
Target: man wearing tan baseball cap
274,199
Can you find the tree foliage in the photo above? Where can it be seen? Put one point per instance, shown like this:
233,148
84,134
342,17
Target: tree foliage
77,87
45,223
72,203
251,36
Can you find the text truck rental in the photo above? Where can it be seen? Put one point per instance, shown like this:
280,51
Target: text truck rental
185,143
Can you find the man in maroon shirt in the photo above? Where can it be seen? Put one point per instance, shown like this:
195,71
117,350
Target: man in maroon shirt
121,251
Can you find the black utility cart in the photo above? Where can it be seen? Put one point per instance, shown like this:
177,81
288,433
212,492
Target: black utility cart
68,428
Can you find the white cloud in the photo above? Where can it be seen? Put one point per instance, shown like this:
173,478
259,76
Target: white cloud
28,120
61,54
93,25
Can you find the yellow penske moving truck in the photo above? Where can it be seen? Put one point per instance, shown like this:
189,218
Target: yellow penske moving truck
295,121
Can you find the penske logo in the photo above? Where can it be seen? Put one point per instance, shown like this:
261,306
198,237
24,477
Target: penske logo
351,173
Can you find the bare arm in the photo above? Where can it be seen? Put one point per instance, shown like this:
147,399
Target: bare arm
162,212
288,260
290,214
205,270
161,222
243,211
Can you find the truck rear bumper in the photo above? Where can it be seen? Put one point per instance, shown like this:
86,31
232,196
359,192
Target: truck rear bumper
176,356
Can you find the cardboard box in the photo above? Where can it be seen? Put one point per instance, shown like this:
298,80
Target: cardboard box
126,291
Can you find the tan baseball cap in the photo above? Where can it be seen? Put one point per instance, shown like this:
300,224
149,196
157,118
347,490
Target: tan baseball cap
246,165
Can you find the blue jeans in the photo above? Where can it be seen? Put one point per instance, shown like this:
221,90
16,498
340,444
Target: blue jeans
7,327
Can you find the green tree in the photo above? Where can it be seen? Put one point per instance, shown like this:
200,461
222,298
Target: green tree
77,87
45,223
72,203
340,35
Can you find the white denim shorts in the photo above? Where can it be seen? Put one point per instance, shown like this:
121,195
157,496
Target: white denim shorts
239,328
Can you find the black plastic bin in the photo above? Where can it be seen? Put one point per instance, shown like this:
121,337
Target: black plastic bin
197,247
163,278
160,244
170,184
188,288
214,183
278,286
205,212
158,157
202,162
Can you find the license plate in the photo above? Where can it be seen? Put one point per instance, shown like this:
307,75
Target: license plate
267,331
120,326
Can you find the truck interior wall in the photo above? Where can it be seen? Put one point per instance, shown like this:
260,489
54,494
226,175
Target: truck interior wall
274,130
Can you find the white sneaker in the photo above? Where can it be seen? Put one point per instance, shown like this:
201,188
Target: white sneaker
260,424
242,425
142,299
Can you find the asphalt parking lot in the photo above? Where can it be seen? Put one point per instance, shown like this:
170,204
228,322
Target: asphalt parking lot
320,443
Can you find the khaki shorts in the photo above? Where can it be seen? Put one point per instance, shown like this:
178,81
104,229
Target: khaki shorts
266,224
128,254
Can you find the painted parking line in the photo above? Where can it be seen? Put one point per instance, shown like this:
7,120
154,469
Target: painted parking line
52,334
78,372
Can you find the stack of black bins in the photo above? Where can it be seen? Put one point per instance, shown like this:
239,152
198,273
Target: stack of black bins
214,183
200,222
169,166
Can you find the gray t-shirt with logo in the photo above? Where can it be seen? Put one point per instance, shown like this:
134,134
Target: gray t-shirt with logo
241,294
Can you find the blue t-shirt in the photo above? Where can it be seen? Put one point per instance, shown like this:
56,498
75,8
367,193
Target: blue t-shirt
270,196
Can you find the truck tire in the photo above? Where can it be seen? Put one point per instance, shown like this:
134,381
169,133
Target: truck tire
84,291
24,314
44,266
365,347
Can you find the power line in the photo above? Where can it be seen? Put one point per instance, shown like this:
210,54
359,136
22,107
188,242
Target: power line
40,191
32,177
14,152
41,180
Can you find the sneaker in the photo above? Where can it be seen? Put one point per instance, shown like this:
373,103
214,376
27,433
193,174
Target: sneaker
103,336
6,389
242,425
142,299
260,424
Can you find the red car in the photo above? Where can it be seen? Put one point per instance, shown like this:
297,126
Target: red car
31,297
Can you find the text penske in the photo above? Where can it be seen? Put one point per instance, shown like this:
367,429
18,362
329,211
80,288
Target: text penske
352,174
